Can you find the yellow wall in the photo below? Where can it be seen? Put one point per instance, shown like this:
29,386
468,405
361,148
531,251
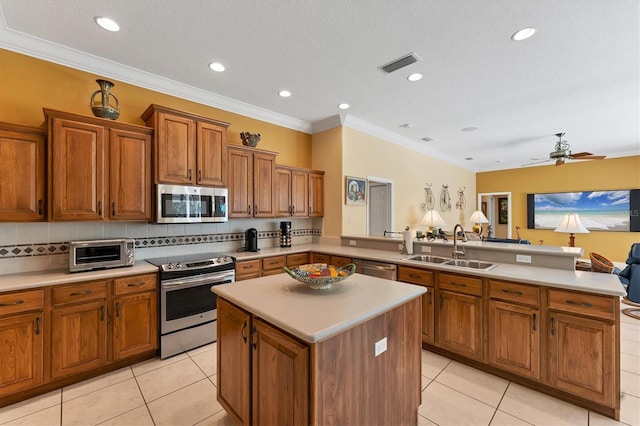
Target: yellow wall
327,156
365,155
28,84
609,174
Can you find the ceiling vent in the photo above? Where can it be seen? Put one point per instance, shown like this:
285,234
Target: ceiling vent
402,62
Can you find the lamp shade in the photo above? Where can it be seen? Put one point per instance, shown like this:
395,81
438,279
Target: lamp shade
571,224
433,218
478,217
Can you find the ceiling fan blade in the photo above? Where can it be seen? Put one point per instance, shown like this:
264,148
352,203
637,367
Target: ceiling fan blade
589,157
559,162
580,154
536,162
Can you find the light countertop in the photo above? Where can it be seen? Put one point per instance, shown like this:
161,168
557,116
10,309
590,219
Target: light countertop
315,315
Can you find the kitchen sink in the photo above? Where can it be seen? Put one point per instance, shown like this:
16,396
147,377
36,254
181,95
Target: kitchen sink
474,264
430,259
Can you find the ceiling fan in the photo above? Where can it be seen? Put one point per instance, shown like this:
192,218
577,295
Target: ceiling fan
562,152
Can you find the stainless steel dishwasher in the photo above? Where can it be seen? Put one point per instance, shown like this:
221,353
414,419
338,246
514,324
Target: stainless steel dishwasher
376,269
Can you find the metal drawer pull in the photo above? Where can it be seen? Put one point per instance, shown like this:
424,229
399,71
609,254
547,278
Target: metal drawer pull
100,208
253,336
458,284
39,206
519,293
117,309
534,322
80,293
135,284
102,313
200,175
17,302
37,325
244,332
553,330
416,276
113,208
189,175
430,297
585,305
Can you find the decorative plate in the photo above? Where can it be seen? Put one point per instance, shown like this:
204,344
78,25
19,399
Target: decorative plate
320,276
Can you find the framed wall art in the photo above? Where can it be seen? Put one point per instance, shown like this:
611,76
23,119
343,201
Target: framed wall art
355,191
503,211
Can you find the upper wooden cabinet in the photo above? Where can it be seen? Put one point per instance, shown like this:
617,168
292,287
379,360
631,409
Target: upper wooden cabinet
98,169
251,182
316,193
292,192
22,189
190,149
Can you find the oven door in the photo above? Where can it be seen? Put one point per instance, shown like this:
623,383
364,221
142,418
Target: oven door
189,301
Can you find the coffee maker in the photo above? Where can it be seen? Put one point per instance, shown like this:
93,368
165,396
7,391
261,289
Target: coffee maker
251,239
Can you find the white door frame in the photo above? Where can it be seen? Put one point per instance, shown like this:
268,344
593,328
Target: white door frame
381,180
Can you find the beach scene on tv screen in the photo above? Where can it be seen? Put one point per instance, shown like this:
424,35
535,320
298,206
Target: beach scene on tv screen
598,210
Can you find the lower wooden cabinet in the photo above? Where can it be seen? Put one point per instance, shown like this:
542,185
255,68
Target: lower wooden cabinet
22,360
248,269
425,279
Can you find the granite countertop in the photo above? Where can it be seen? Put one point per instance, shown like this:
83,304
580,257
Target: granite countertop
315,315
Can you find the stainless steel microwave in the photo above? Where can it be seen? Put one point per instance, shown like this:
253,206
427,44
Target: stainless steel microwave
191,204
101,254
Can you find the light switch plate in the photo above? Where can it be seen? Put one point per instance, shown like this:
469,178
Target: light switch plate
380,346
522,258
426,249
352,242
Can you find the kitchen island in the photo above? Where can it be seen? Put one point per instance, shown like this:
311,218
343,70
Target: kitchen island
288,354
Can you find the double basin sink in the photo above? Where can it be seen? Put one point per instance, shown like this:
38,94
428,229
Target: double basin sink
472,264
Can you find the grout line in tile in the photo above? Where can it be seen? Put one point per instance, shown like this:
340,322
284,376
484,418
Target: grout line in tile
146,404
468,396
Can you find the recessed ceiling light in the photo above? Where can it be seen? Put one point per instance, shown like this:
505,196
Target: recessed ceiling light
468,158
498,161
284,93
523,34
216,66
343,106
427,139
415,76
406,125
469,129
106,23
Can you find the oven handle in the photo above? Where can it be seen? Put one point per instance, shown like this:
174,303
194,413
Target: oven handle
177,282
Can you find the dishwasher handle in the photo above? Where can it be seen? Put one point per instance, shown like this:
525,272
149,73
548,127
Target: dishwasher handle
376,269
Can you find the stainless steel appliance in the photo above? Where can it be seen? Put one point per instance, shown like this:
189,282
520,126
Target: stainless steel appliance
376,269
187,306
190,204
101,254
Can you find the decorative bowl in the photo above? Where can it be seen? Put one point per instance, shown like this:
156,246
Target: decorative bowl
250,139
320,276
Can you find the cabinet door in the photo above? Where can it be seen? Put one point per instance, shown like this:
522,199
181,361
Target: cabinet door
582,357
514,338
22,188
135,326
316,194
240,184
264,166
79,338
176,149
129,175
425,279
280,378
211,153
21,349
77,170
460,324
234,386
283,192
299,193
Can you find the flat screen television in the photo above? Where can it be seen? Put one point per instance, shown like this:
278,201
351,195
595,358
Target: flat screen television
616,210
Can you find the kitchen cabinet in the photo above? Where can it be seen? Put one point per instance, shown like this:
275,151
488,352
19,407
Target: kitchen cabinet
424,278
582,345
316,193
292,192
22,189
248,269
297,259
340,261
273,265
79,328
514,328
251,182
98,169
190,149
320,258
135,325
21,340
460,315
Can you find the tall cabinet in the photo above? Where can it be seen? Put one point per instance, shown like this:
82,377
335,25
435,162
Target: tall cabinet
251,182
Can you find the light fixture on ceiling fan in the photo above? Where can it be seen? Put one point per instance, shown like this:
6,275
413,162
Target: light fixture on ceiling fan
562,152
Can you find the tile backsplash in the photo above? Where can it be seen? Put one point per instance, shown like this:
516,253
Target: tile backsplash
41,246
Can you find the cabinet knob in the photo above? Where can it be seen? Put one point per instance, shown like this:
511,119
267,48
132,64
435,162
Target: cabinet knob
113,208
38,325
535,327
553,328
39,206
100,208
118,310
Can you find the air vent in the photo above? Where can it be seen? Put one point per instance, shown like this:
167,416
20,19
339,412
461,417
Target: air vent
400,63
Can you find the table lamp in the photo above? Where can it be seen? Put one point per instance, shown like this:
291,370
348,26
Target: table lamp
478,218
433,220
571,224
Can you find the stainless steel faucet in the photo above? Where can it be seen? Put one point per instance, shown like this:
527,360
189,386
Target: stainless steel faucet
458,251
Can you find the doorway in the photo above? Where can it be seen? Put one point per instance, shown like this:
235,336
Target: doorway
493,206
379,206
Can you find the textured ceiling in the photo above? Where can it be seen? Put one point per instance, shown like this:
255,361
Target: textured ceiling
579,74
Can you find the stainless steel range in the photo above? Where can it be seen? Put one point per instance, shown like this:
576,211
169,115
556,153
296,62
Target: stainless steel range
187,306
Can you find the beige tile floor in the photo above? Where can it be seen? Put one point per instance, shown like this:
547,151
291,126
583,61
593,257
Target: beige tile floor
181,391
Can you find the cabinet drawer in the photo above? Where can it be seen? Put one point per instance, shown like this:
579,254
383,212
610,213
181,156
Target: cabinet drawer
271,263
581,303
460,284
248,267
320,258
297,259
79,292
514,292
12,303
339,261
135,284
415,276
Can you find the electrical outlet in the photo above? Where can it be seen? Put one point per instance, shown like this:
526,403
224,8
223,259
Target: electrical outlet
400,247
352,242
522,258
426,249
380,346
